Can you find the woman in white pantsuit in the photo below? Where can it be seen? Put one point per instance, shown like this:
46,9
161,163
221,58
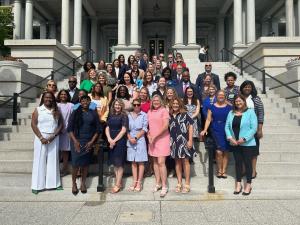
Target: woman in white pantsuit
46,124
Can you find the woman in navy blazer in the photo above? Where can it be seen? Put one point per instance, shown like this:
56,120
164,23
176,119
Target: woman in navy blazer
240,128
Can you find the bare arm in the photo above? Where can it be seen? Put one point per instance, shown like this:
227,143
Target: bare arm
207,123
196,114
75,141
120,134
36,131
190,141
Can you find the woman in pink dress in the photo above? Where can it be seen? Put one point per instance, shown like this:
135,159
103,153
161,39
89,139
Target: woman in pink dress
65,108
159,142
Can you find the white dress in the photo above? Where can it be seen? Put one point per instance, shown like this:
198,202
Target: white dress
45,170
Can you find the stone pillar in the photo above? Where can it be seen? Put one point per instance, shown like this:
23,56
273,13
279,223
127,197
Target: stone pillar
178,22
28,19
298,9
43,30
192,22
22,23
17,19
134,22
221,33
94,31
77,22
65,23
289,15
122,22
52,33
251,34
238,23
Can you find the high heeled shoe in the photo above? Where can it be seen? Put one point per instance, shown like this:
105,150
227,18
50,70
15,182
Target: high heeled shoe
75,190
238,192
83,189
247,193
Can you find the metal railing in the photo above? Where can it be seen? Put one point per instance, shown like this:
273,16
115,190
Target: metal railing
263,72
87,54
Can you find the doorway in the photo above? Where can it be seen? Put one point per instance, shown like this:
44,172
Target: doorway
156,46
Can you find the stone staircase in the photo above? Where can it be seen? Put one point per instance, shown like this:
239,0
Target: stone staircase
278,164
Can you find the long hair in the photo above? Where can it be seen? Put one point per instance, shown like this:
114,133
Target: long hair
54,107
122,81
78,121
160,100
94,92
112,110
145,82
194,98
147,91
244,100
67,93
174,94
182,108
164,71
85,68
249,82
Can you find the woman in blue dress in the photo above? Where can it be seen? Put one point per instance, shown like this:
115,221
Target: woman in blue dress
136,144
115,131
83,128
216,116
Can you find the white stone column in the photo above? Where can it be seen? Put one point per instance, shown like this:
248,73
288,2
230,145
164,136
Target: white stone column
65,23
77,22
52,32
28,19
192,22
251,34
121,22
289,16
221,33
43,30
298,9
134,22
94,31
17,19
237,22
178,22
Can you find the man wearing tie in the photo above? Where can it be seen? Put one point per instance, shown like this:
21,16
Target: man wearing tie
184,83
177,74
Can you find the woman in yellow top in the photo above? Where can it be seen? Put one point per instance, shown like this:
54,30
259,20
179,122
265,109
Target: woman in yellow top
101,101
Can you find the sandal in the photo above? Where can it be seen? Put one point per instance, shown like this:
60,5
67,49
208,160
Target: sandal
115,189
178,188
163,192
138,189
219,174
186,189
132,187
156,188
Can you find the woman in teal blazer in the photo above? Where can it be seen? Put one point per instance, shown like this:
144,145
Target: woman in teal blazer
240,128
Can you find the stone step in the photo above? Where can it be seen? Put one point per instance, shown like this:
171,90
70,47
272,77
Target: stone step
279,156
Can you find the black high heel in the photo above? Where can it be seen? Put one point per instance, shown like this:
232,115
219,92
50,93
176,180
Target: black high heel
238,192
246,194
75,192
83,190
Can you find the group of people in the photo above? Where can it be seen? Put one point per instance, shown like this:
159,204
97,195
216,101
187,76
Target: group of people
151,115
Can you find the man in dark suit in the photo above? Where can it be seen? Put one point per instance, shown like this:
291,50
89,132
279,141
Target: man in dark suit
177,74
215,77
184,83
73,90
141,62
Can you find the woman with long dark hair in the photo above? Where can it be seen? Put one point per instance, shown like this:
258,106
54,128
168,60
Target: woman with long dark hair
248,89
83,128
149,82
123,66
46,124
129,83
123,94
97,97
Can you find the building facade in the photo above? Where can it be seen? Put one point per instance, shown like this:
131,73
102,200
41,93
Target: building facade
158,26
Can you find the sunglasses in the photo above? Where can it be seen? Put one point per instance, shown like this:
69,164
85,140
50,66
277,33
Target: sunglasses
135,105
72,81
51,85
208,65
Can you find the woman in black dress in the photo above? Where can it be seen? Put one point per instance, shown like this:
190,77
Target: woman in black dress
182,149
83,128
115,131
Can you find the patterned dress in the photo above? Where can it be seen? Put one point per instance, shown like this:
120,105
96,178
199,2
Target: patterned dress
179,136
191,110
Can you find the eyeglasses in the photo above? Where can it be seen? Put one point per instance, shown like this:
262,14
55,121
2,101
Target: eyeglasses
208,65
161,56
179,61
135,105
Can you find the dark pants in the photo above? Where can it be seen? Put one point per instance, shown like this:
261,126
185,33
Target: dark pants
243,155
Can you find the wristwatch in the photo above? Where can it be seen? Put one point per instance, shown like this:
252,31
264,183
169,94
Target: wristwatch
136,138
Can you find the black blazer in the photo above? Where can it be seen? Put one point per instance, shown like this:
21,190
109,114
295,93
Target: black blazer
179,89
75,98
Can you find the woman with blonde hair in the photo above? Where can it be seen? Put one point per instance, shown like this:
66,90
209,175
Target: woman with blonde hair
90,82
117,124
159,142
107,91
51,86
182,149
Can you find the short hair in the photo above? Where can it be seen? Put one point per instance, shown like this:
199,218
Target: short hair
230,74
182,108
85,66
249,82
160,100
127,95
244,100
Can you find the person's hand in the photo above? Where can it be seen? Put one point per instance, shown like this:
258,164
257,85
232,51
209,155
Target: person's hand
203,133
77,146
150,139
259,134
44,141
132,141
88,146
240,141
189,144
233,142
50,139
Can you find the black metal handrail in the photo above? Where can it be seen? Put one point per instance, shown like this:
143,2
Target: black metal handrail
264,74
15,96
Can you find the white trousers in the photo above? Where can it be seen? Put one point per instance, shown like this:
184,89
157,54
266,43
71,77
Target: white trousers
45,170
